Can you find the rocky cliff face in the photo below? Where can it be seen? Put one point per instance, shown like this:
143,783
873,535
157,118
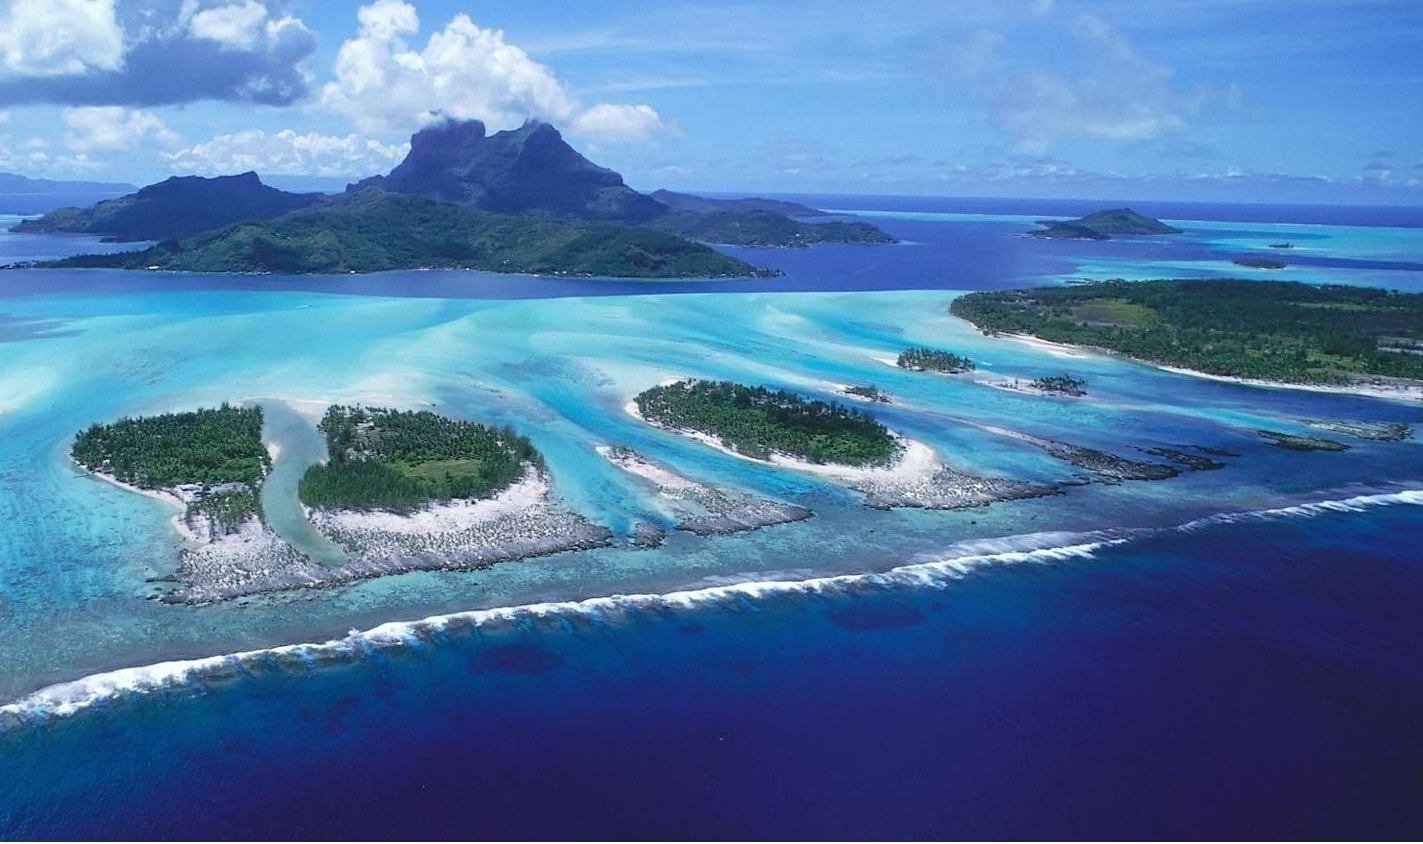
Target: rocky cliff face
529,170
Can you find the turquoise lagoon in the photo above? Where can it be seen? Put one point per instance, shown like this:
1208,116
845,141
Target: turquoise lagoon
558,360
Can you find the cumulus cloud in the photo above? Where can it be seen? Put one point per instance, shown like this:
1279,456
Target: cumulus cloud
49,38
288,153
149,52
618,123
239,26
383,83
114,128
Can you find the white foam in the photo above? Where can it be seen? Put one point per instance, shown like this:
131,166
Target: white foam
938,571
1355,504
68,698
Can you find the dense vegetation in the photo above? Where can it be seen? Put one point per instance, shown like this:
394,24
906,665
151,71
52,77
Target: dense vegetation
399,460
228,507
373,230
207,446
1275,330
1068,385
920,358
758,422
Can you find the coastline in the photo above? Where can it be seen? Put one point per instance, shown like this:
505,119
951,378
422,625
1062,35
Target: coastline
171,498
1398,392
916,478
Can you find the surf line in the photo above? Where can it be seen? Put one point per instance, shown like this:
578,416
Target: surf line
957,562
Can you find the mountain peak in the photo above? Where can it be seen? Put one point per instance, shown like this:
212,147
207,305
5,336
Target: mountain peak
529,170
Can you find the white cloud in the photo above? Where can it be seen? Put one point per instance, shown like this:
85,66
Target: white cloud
1120,95
288,153
114,128
152,52
464,71
618,123
239,26
42,38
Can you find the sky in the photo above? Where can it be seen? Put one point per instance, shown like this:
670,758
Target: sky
1220,100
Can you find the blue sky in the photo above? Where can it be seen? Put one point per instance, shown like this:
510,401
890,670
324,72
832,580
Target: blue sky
1239,100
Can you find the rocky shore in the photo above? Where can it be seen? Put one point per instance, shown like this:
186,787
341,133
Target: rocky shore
1109,467
946,489
519,523
700,508
1376,431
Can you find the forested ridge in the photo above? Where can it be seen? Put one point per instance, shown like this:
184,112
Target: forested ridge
758,422
1276,330
400,460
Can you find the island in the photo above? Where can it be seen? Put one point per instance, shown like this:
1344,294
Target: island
1102,225
865,392
412,490
373,230
757,422
403,491
517,201
823,438
920,359
1064,385
1257,263
401,461
1272,331
209,463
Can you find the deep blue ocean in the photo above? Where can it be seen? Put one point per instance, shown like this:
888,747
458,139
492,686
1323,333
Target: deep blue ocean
1250,677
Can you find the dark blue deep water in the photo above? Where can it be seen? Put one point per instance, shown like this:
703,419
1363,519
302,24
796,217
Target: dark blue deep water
1255,680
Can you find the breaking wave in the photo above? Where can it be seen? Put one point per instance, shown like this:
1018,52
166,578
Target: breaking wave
956,562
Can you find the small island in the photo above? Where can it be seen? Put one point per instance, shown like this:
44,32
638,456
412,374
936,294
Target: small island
1063,385
822,438
757,422
1256,263
401,461
209,462
1102,225
1355,338
866,392
920,359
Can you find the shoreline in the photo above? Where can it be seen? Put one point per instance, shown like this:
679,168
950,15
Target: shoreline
916,478
171,498
1398,392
